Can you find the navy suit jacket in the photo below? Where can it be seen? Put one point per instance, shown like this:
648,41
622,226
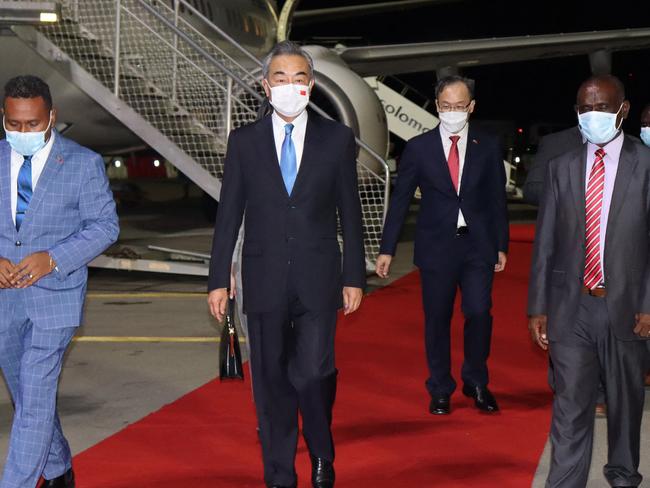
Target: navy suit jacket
290,239
482,199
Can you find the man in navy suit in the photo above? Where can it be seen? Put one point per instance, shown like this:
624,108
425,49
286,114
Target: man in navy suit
291,173
56,214
461,237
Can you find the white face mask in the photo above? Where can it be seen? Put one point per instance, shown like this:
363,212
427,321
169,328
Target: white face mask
27,143
453,121
290,100
599,127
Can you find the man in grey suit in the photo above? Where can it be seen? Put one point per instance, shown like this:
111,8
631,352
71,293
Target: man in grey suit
589,294
57,213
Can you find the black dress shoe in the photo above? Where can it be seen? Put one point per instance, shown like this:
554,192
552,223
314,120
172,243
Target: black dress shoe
322,473
440,405
483,398
66,480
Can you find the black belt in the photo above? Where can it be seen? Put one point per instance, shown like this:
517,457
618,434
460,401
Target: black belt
462,231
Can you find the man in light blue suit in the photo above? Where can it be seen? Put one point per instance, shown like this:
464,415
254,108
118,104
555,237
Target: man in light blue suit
56,214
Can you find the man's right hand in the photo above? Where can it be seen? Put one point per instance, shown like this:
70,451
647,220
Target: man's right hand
217,301
383,265
537,328
6,273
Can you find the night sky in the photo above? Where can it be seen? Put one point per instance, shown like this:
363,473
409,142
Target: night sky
525,92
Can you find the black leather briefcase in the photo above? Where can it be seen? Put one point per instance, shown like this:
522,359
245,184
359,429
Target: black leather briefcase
229,352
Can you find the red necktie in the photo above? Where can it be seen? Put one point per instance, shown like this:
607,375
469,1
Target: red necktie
594,206
453,160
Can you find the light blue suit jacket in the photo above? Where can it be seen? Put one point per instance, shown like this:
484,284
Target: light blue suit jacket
72,216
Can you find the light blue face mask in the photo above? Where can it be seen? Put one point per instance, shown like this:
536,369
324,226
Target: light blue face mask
599,127
645,135
27,143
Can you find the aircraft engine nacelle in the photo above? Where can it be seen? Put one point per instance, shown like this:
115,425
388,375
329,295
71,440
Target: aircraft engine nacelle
346,97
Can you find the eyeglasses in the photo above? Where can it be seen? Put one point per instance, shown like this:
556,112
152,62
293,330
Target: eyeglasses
454,108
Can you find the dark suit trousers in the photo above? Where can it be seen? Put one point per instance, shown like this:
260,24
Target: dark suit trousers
463,268
593,354
292,361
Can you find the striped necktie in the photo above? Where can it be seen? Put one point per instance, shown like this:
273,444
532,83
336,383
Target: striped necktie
593,210
24,190
288,164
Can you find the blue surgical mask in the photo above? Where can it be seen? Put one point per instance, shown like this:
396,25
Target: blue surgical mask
599,127
645,135
27,143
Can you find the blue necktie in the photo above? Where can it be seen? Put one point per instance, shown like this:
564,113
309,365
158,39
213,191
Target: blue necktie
24,190
288,164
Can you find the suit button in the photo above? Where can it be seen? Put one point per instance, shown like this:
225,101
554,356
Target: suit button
18,243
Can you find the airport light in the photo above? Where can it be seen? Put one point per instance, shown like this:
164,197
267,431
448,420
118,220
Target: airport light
517,159
117,163
12,12
49,17
156,163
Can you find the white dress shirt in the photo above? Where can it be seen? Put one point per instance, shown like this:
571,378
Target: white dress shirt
38,164
612,154
462,149
297,135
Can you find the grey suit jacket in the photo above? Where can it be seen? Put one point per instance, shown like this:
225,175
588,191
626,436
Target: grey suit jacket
557,269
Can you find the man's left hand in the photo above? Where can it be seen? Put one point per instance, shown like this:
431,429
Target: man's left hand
351,299
642,328
501,265
31,269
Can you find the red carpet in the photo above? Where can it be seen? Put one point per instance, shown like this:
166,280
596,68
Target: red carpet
383,433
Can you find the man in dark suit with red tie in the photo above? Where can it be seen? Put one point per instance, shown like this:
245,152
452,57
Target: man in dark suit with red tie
461,238
294,175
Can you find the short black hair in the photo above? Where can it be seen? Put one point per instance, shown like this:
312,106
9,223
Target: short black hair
452,79
28,86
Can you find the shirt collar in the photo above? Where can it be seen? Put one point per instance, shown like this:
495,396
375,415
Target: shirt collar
299,122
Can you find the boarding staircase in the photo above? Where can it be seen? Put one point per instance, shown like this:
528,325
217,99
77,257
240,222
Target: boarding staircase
177,81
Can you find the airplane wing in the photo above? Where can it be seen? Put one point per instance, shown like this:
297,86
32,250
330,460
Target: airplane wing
302,17
429,56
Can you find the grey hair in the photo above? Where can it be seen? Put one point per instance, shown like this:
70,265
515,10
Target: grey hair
452,79
287,48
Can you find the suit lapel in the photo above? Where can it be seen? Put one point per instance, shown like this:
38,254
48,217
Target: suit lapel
440,160
5,183
626,165
309,152
577,168
269,155
471,156
53,165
